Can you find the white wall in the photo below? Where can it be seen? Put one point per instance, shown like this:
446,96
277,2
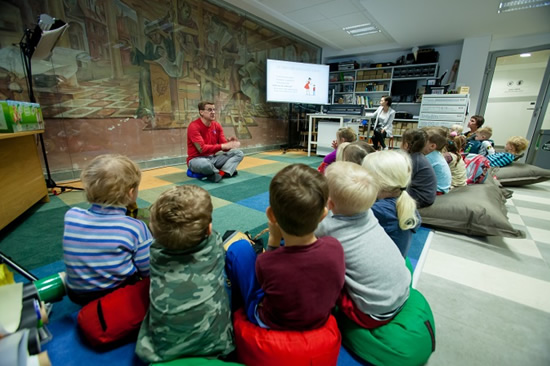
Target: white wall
475,53
514,88
472,67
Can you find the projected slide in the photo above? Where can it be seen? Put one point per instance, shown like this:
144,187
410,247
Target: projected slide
297,82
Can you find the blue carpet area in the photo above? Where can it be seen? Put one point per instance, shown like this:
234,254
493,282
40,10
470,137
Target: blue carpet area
68,348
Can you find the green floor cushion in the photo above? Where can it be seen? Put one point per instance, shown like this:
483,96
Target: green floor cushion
409,339
196,361
409,266
519,174
477,209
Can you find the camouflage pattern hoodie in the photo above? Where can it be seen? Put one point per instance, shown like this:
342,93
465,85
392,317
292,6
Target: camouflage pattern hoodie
189,314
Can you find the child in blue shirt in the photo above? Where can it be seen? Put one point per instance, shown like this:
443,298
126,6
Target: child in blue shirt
437,139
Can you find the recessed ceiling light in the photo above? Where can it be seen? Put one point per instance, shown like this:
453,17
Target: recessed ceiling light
525,55
361,29
507,6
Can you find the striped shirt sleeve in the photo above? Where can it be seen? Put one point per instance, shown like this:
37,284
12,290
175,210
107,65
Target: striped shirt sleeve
501,159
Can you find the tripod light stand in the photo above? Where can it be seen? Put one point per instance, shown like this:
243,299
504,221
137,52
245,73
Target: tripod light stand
38,44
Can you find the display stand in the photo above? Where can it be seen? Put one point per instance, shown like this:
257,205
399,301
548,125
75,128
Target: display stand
443,110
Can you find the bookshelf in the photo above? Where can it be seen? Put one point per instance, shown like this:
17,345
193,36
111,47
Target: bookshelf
404,83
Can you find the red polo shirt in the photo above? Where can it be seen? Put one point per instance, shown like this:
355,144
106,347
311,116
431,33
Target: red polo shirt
209,138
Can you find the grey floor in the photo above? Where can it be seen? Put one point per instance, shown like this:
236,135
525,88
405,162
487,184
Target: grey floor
491,296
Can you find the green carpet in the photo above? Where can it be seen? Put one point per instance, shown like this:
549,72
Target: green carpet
35,238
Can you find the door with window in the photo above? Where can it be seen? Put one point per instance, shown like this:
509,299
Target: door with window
515,95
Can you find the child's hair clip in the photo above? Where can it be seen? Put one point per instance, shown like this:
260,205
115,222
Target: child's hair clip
454,134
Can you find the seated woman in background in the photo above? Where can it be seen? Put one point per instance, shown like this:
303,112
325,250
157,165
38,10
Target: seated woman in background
423,185
474,124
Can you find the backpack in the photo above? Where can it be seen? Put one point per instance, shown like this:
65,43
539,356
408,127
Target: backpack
477,168
472,147
231,236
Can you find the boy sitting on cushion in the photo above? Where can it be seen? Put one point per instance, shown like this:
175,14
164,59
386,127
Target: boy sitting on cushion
189,312
103,249
482,143
377,279
295,286
437,140
515,146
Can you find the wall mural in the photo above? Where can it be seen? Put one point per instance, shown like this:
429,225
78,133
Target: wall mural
150,60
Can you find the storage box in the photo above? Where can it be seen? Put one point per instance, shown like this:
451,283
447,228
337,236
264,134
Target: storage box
463,90
18,116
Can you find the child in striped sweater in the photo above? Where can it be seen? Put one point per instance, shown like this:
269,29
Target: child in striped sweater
103,249
515,146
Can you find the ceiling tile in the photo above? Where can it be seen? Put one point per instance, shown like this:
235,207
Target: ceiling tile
306,16
287,6
350,19
336,8
324,26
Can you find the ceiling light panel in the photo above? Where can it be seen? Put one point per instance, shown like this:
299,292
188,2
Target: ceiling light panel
361,29
508,6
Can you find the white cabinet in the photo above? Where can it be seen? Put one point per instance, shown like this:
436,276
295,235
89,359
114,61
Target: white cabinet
324,127
443,109
326,133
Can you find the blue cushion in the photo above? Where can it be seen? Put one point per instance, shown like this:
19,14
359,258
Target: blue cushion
190,174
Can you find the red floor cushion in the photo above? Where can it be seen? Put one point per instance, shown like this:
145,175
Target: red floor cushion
116,316
409,339
266,347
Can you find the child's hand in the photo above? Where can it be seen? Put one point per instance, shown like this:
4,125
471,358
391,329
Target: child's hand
275,235
334,144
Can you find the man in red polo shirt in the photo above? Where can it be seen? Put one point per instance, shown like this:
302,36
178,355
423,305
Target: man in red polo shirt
208,151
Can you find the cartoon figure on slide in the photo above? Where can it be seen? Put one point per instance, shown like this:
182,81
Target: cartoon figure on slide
307,87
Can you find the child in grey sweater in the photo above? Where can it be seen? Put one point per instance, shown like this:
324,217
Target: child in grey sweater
377,279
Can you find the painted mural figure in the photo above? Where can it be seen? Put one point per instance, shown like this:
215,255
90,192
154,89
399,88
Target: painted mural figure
187,37
252,81
159,46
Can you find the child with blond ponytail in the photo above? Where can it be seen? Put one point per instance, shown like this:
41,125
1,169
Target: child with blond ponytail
394,208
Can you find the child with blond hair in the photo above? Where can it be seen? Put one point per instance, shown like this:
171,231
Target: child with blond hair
483,135
344,134
377,279
394,208
340,151
189,313
515,146
455,130
103,249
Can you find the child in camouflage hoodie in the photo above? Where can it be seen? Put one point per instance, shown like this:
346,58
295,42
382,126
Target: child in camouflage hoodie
189,314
